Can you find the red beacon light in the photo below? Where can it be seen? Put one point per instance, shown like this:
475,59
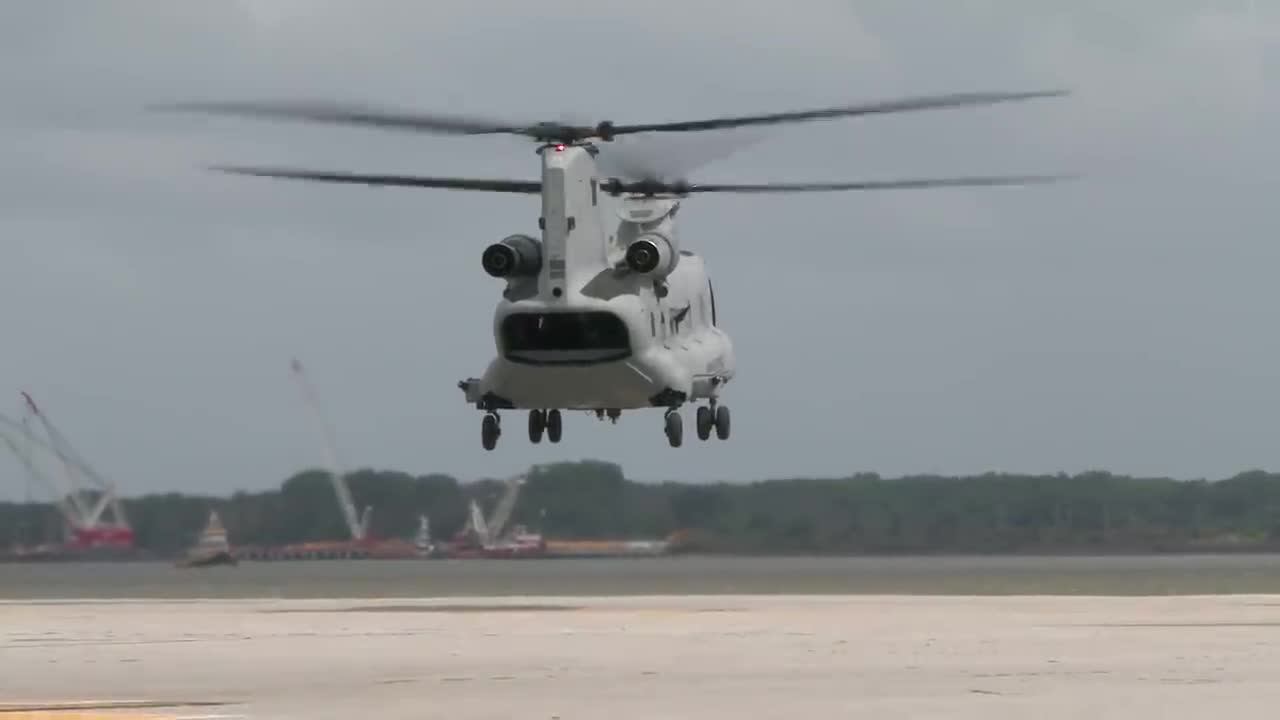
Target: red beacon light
559,147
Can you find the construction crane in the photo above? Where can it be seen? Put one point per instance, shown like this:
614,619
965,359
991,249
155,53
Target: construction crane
357,524
497,522
70,509
489,531
83,505
93,530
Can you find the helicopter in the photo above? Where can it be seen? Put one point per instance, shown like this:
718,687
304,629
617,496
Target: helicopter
603,309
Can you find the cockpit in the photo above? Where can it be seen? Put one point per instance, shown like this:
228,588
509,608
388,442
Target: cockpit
564,338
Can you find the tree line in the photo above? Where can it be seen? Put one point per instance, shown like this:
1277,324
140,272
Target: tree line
863,513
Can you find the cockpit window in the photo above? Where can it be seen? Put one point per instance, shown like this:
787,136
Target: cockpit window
565,337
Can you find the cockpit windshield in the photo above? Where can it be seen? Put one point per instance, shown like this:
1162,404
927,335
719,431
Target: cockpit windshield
565,337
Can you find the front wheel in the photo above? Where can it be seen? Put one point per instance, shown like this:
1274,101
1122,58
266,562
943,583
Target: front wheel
705,421
489,432
674,429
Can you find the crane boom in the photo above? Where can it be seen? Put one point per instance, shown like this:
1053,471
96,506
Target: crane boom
61,500
73,462
59,442
65,493
506,504
85,525
355,524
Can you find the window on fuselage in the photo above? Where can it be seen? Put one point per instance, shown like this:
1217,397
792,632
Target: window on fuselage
565,337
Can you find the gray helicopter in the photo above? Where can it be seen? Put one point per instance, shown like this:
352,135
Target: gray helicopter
605,309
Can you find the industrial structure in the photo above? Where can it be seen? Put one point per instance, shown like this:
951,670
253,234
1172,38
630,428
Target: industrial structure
95,525
357,523
490,537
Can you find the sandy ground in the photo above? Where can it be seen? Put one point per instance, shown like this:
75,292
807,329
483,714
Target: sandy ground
671,657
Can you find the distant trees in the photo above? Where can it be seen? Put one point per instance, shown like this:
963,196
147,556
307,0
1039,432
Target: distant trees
992,513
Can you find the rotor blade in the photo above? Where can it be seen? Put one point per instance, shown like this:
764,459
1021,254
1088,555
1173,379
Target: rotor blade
650,187
344,114
888,106
490,185
670,156
883,184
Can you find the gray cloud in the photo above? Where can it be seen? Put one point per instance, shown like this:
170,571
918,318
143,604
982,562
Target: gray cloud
1118,322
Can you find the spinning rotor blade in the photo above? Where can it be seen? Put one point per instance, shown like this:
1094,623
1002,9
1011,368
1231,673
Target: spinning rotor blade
651,187
903,105
670,156
328,112
614,186
491,185
345,114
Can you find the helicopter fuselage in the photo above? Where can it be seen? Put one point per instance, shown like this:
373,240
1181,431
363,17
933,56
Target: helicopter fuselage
598,353
604,312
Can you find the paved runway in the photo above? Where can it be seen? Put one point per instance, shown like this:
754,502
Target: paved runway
623,658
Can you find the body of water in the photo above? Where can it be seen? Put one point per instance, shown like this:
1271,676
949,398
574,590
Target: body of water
691,575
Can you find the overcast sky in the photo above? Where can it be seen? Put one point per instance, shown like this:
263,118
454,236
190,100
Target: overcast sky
1126,321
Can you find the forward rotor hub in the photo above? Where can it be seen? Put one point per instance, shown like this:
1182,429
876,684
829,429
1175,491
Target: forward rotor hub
551,132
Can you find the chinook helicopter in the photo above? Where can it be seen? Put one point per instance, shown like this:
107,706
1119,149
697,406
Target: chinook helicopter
605,309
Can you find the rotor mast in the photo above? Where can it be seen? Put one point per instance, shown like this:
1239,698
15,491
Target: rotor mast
570,222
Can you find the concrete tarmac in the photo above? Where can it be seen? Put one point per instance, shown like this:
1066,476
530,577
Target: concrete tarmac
631,658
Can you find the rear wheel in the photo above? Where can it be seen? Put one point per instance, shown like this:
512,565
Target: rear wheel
705,421
537,424
722,422
554,427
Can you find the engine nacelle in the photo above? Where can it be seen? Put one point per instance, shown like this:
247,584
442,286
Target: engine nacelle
515,256
652,255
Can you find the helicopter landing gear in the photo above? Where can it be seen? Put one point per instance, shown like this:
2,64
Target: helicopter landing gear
554,427
705,420
490,430
547,421
537,424
722,422
674,427
711,417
